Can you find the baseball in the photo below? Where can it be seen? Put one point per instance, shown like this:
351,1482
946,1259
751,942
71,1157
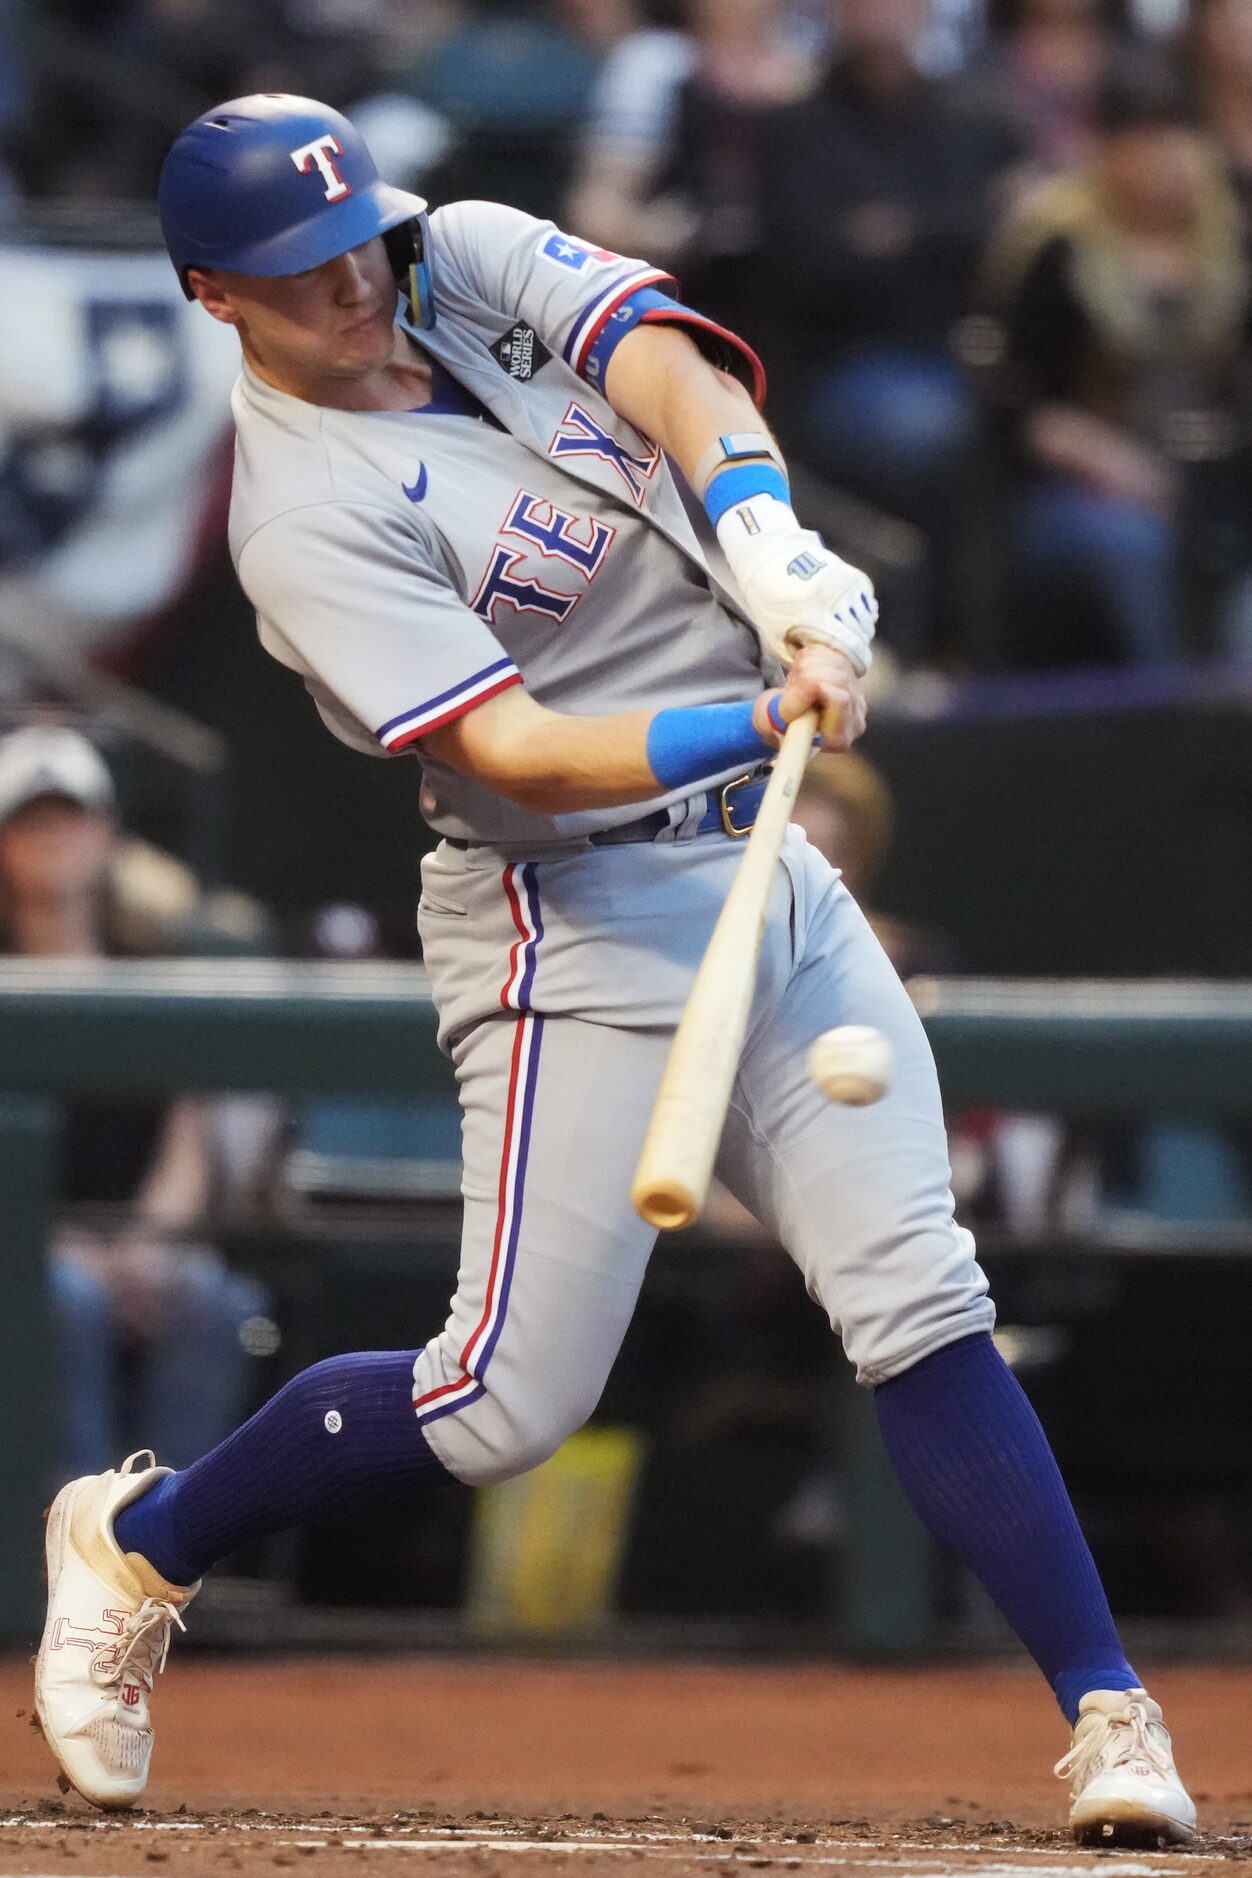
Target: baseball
852,1064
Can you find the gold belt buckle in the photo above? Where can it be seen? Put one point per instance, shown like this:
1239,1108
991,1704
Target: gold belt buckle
728,807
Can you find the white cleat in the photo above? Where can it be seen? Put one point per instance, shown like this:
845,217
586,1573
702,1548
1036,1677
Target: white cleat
1126,1789
106,1637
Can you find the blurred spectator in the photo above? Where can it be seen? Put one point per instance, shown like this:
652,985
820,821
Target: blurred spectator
512,67
408,140
1051,58
846,811
955,34
880,190
627,136
1125,292
115,82
10,199
1219,43
14,75
670,166
1161,19
149,1323
599,23
514,80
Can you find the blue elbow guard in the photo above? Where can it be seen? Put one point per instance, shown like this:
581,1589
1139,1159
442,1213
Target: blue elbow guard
697,740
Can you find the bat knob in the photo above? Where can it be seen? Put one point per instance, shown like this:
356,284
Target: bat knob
667,1205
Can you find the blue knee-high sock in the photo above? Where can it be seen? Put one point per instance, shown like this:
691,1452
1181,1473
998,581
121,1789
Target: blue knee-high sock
339,1437
977,1469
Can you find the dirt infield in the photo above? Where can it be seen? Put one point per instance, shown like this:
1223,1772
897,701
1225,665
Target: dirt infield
479,1769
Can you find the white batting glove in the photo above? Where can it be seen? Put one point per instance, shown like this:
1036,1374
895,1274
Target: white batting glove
797,592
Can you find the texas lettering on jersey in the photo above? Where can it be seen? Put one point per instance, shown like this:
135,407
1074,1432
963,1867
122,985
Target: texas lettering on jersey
548,546
579,434
553,535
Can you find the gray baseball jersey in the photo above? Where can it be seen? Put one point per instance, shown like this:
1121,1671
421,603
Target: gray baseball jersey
412,564
515,529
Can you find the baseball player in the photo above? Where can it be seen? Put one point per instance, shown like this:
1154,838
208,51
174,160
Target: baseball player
522,520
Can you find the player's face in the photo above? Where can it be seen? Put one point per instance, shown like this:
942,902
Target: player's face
333,322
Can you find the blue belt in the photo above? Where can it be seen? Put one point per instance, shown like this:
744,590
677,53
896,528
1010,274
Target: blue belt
730,810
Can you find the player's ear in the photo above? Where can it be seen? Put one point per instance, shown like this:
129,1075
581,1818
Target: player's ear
211,291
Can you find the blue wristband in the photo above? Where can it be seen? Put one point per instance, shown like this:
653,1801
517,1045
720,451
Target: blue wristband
693,741
775,716
740,483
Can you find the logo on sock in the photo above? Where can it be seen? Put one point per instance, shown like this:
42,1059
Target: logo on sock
333,1422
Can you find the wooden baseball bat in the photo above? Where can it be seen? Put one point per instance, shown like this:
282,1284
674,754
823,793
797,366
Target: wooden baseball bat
676,1165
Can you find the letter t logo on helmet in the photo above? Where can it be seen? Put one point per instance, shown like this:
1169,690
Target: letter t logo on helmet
318,153
273,184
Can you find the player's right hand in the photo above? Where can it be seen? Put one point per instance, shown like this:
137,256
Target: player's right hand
826,680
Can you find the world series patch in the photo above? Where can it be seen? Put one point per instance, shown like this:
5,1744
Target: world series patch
520,352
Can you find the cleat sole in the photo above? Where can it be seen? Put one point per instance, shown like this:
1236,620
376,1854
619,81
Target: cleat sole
1127,1823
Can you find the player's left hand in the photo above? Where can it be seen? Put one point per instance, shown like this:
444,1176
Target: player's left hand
828,681
797,591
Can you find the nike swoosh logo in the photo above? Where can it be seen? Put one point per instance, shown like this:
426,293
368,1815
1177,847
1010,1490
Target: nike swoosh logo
418,490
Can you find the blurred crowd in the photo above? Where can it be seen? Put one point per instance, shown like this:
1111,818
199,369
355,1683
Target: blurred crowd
995,252
152,1328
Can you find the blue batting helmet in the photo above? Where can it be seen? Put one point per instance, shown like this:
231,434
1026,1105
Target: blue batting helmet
272,185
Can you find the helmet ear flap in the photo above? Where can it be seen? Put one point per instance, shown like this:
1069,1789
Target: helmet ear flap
407,250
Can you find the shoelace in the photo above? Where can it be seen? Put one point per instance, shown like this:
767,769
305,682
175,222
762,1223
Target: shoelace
1124,1736
142,1648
